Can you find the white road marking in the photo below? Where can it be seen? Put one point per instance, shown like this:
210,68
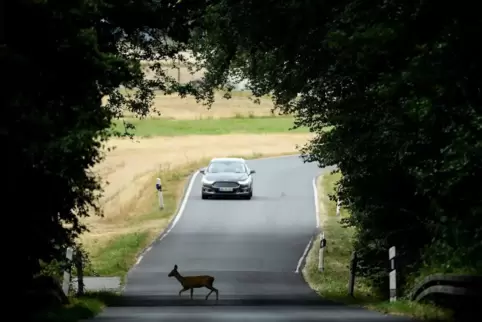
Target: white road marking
183,205
178,215
138,260
300,262
317,214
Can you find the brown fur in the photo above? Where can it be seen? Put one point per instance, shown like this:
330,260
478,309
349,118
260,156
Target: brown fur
192,282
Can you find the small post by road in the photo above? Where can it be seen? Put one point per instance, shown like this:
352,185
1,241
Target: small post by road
79,265
351,282
66,280
321,255
159,193
393,274
338,208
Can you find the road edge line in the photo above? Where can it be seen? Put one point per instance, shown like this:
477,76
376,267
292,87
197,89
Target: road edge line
302,260
172,223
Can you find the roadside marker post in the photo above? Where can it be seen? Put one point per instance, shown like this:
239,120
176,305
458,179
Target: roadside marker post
159,193
66,280
393,274
321,255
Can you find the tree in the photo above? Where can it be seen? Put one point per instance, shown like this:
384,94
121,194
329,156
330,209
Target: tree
54,124
400,83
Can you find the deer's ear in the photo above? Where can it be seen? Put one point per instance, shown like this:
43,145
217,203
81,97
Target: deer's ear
175,266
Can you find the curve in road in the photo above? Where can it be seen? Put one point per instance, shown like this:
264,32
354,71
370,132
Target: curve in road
251,247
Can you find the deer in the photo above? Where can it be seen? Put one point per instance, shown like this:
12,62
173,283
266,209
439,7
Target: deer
192,282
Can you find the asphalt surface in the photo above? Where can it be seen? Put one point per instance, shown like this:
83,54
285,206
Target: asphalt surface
251,247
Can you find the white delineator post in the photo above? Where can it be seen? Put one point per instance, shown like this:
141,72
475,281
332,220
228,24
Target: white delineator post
66,280
338,208
159,193
321,255
393,274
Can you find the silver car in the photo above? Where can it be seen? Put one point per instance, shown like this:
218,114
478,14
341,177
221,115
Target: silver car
227,177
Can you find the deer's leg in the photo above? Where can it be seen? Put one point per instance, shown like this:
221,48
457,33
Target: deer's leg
213,289
192,291
184,289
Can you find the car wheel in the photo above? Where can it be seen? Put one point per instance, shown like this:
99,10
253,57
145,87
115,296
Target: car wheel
248,197
203,196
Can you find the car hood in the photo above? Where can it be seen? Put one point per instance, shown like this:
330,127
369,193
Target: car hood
225,176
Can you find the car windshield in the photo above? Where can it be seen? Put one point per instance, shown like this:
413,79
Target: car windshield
226,166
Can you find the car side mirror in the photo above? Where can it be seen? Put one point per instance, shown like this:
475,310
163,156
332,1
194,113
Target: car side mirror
252,171
202,171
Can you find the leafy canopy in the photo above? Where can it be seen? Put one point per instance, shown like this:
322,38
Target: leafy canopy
400,82
57,72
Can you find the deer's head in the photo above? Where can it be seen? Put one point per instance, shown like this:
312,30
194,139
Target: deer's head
173,272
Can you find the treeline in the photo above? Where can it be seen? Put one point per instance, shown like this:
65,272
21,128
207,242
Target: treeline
59,59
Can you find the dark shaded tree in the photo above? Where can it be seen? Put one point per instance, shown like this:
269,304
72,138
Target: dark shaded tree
400,82
58,60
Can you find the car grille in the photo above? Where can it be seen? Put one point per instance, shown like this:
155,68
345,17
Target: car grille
225,185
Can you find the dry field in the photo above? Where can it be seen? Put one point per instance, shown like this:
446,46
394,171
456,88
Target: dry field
174,107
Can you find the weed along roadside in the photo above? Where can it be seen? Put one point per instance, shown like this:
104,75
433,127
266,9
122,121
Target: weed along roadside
79,308
333,282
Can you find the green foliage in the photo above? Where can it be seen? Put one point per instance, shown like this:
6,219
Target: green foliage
53,122
400,84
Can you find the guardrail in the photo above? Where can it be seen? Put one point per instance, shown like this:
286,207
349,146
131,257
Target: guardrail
463,293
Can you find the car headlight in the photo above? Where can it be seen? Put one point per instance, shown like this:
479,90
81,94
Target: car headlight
246,181
207,182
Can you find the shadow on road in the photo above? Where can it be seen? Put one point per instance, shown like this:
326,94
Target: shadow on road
159,301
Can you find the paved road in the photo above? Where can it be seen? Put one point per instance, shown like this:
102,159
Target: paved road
252,248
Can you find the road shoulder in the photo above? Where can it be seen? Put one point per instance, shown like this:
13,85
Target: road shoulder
332,283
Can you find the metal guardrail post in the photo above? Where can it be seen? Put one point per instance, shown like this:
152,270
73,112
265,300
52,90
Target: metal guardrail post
79,265
351,282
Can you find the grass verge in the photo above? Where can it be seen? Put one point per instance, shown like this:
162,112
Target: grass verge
332,284
79,308
117,256
238,124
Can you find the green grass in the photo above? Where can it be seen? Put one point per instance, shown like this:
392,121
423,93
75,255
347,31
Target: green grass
241,124
79,308
119,255
332,284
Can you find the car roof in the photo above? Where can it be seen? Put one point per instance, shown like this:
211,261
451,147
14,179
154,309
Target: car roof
228,159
